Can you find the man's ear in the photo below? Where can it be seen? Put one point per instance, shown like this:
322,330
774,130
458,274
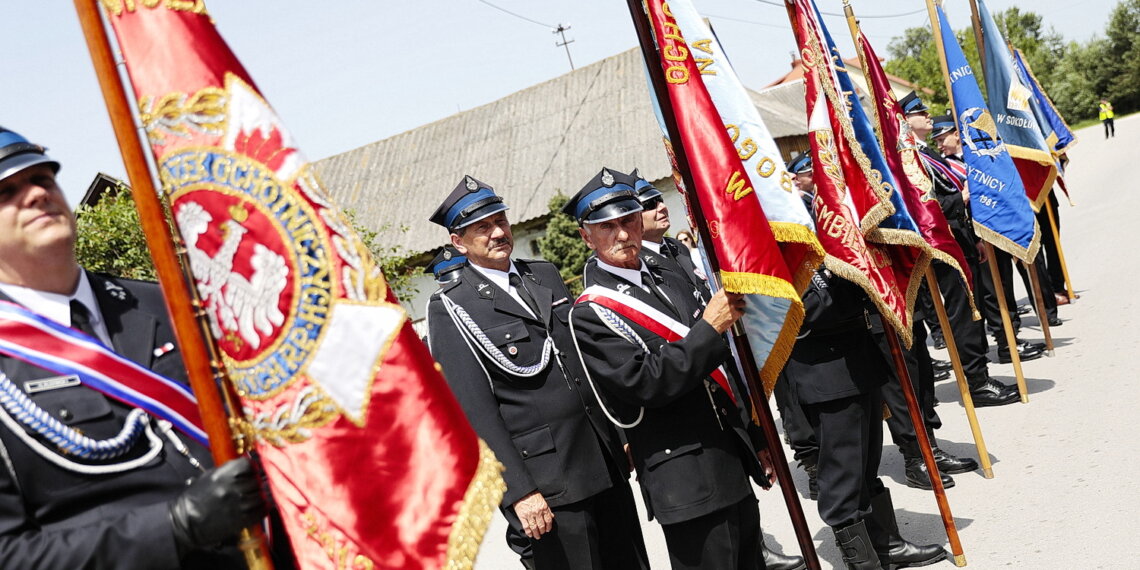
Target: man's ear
457,242
585,236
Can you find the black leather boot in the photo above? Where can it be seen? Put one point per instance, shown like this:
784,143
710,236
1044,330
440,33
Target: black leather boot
855,545
777,561
918,477
893,551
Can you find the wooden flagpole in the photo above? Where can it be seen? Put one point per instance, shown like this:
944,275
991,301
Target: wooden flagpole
1039,303
999,289
1007,325
959,374
204,369
924,445
640,16
903,374
1060,251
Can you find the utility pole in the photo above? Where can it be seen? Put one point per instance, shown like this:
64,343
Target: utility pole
561,30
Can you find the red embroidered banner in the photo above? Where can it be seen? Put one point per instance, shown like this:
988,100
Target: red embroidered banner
900,148
368,455
846,205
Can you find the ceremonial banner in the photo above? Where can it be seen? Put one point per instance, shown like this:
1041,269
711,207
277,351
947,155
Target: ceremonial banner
1002,213
897,232
749,257
900,150
1016,113
791,223
1061,136
842,177
369,457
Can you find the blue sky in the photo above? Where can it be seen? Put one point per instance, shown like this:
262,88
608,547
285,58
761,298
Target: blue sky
346,73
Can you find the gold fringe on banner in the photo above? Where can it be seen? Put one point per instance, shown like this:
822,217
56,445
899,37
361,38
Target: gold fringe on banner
775,287
795,235
481,500
1007,245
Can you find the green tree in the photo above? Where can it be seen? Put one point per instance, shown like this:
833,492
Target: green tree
562,245
1071,85
914,57
1118,79
394,261
110,238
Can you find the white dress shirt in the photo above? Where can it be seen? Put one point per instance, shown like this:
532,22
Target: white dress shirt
57,307
503,280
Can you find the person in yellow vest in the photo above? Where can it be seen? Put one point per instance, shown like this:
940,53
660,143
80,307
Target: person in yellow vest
1106,118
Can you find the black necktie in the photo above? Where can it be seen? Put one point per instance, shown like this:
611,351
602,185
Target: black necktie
529,301
81,319
649,281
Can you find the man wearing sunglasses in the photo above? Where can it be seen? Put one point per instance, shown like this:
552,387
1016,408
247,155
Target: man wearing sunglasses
654,223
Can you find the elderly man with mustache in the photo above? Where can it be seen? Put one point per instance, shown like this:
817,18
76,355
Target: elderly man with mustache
659,362
500,333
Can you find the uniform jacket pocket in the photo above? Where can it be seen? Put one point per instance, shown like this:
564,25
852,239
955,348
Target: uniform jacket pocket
542,460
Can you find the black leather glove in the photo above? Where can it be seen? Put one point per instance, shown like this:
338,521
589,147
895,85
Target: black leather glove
214,508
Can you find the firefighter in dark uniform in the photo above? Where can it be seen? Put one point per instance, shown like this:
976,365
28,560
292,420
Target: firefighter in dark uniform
685,420
797,430
836,372
500,334
85,480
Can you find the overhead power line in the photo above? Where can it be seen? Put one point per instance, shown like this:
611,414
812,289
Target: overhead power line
519,16
861,16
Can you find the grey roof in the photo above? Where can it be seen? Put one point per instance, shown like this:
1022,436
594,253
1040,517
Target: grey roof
529,145
783,109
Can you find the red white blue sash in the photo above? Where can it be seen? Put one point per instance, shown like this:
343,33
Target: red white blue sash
647,317
40,341
956,178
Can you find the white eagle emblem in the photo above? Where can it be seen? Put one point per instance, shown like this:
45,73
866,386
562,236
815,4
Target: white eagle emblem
246,306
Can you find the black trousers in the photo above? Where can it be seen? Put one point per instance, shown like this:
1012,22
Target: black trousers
922,379
989,303
924,304
1046,282
1109,127
850,436
601,532
969,335
796,427
727,539
1049,245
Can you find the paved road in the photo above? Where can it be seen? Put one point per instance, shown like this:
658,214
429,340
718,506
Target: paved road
1065,492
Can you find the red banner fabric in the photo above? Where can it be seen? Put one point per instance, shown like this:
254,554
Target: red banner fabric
843,189
900,148
749,258
369,457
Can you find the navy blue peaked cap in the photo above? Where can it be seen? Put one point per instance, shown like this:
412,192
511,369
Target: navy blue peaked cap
800,164
608,195
645,190
942,124
446,264
470,202
16,154
910,103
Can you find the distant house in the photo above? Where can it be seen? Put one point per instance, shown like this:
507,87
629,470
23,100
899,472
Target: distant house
531,145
